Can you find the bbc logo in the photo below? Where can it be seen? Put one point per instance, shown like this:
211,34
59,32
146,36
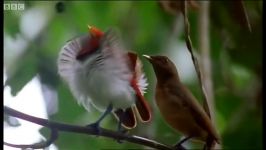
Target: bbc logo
14,6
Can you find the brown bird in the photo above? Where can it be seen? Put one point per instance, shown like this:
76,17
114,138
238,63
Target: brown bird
178,106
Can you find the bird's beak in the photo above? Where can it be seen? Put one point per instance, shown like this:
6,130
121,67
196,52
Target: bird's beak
147,57
90,30
95,32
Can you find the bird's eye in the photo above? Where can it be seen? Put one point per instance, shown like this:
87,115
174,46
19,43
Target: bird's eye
165,60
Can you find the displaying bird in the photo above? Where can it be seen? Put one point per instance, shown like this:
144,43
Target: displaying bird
99,72
178,106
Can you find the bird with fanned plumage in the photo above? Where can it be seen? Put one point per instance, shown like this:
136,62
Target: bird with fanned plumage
99,72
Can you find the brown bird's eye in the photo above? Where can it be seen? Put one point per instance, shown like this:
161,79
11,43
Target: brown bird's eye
165,60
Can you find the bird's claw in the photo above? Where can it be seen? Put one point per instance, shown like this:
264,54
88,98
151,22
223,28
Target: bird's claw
96,127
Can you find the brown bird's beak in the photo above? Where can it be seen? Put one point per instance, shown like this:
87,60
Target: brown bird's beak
147,57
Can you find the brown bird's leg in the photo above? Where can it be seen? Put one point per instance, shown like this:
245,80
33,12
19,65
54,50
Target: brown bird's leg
209,143
179,144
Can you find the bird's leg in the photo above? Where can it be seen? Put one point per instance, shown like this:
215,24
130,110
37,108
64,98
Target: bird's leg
119,128
209,143
206,146
96,125
179,144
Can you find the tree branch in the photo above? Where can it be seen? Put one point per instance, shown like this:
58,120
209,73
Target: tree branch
56,127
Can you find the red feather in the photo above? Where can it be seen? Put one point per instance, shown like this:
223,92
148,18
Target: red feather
141,105
92,44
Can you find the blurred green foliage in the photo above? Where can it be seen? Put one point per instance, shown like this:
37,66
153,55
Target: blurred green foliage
145,28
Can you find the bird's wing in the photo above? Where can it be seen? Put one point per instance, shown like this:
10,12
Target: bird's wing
111,43
200,116
67,57
138,83
113,53
67,68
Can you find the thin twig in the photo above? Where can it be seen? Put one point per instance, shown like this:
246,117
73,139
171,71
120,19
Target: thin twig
204,47
55,126
194,59
246,15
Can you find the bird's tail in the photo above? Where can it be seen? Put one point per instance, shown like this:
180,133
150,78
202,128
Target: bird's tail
142,109
127,117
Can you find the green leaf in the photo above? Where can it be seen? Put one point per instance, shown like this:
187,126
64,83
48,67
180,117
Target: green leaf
11,22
